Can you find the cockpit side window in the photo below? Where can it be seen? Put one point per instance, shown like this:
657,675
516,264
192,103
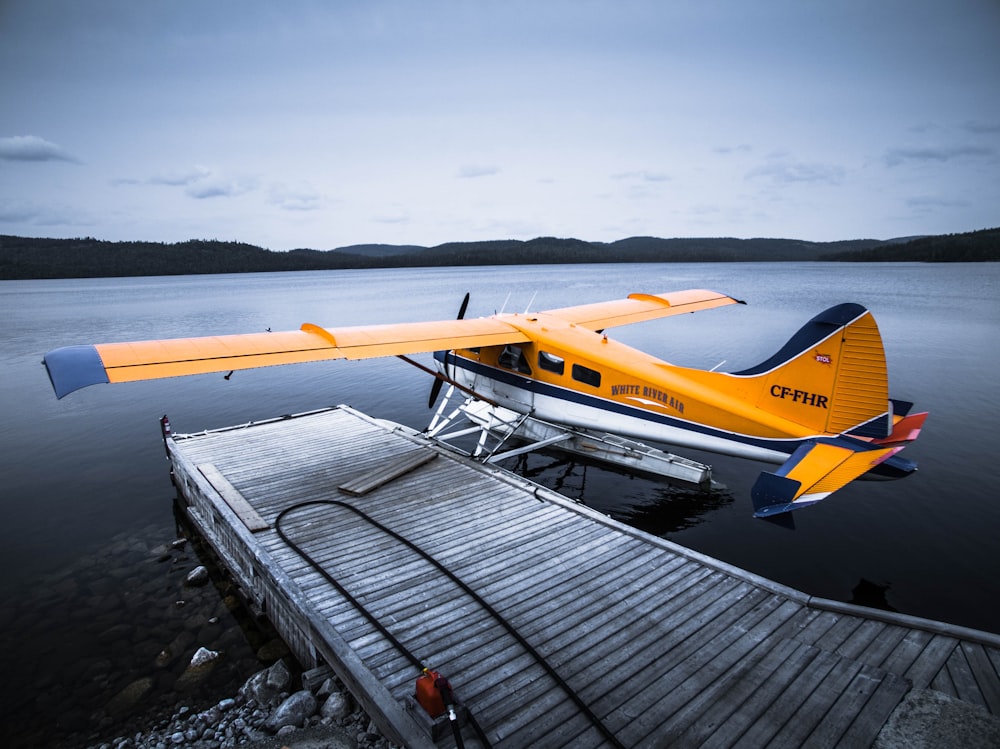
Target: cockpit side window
551,362
586,375
512,357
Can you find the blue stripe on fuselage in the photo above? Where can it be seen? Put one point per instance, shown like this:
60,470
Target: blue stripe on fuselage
592,401
893,467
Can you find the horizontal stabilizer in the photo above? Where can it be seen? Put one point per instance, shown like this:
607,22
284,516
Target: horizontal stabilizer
905,430
812,473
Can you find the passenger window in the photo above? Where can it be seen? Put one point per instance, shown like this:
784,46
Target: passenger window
586,375
551,362
513,358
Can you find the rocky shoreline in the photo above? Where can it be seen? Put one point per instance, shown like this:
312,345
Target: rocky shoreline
144,642
268,710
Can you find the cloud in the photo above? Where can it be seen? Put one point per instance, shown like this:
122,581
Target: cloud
181,178
927,202
983,128
897,156
470,171
785,172
220,186
643,175
396,218
727,150
31,148
17,211
199,182
33,214
300,198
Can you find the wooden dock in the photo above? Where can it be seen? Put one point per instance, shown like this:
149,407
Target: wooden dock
556,625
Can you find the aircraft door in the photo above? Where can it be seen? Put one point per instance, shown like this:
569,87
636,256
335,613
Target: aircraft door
515,389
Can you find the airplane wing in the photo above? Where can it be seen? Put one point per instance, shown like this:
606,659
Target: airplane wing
641,307
73,367
813,472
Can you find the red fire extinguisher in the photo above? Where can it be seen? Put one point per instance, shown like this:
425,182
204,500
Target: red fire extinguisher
165,430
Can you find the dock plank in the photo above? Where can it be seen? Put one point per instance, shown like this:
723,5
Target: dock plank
383,474
236,501
984,673
962,678
846,710
931,661
741,697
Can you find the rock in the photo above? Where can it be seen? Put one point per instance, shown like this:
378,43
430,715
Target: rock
272,651
201,665
328,687
203,656
231,602
265,686
197,576
163,659
129,697
100,586
294,711
279,677
115,633
336,706
181,642
927,718
211,716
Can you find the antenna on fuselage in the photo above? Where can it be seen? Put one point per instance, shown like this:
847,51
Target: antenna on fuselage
531,302
504,304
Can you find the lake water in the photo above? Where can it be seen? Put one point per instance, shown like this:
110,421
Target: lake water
86,488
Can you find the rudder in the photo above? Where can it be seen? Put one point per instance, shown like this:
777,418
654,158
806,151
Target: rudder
830,377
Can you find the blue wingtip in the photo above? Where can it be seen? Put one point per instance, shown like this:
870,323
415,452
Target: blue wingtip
73,367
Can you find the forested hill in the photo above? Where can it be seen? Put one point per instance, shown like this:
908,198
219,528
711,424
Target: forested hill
22,257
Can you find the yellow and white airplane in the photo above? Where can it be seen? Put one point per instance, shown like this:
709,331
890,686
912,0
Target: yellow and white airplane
819,407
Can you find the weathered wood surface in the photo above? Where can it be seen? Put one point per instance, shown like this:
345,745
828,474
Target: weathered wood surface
665,646
236,501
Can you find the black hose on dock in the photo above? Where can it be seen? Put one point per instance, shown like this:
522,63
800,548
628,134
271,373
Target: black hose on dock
584,708
361,607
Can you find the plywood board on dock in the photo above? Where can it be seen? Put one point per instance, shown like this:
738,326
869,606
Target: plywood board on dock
609,636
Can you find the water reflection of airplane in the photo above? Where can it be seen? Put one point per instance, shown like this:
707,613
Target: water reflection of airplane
819,408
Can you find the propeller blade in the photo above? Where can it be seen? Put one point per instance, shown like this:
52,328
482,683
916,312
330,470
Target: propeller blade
438,382
435,391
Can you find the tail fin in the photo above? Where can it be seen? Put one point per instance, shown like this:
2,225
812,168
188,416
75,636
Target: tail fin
830,377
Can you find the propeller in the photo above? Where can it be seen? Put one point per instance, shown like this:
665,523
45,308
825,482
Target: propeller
438,381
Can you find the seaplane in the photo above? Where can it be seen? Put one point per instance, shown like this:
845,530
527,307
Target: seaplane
819,408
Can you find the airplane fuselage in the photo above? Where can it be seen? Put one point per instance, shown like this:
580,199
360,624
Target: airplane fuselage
571,375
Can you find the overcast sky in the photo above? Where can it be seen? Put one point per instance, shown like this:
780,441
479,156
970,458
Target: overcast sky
324,124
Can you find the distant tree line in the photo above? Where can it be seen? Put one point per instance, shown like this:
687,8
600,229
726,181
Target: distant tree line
25,257
970,247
